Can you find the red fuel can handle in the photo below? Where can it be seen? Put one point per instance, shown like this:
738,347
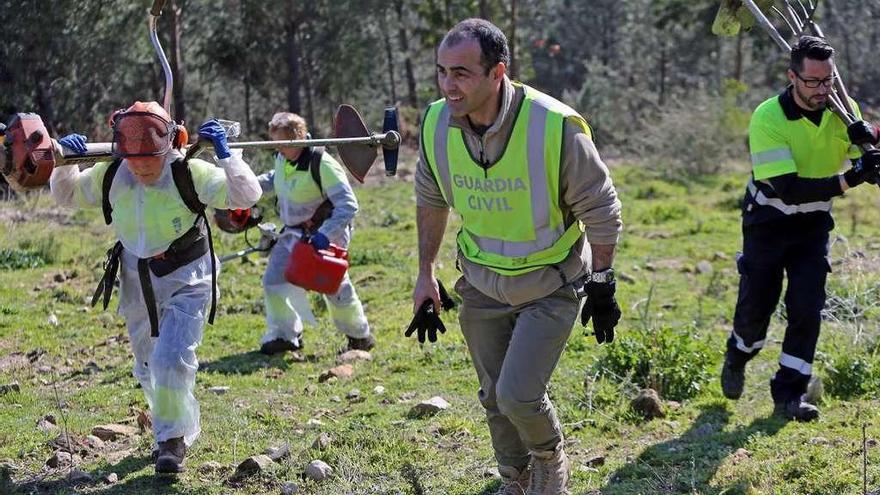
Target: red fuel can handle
318,270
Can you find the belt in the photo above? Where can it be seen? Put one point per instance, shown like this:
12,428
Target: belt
186,249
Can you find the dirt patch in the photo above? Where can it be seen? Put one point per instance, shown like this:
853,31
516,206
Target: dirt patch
16,216
13,362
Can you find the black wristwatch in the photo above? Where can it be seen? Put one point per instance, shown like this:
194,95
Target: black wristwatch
602,276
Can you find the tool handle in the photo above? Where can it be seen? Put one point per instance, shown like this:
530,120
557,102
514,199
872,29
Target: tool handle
156,10
766,25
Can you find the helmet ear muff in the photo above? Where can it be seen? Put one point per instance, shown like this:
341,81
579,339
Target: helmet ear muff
181,137
111,121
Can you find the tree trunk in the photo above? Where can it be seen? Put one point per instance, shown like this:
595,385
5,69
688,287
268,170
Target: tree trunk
43,99
247,100
514,67
661,97
403,40
389,54
738,66
178,72
484,10
293,61
308,67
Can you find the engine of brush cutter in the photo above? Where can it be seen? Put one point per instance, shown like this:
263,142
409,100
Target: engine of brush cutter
28,155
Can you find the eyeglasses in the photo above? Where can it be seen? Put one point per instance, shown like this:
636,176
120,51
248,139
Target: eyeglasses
815,83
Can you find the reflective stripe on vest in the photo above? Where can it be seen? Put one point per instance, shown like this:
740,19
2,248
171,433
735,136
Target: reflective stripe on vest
522,184
786,208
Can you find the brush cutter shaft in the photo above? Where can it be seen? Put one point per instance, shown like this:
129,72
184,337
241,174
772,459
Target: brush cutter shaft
155,12
387,139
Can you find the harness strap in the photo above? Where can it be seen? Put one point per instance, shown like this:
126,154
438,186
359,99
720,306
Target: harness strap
149,297
111,269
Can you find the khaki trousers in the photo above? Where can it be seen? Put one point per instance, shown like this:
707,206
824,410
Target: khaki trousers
515,350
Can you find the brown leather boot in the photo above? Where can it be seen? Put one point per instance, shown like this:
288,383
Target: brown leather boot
513,481
171,454
550,471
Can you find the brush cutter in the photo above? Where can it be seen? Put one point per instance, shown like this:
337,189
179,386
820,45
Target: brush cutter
29,154
268,238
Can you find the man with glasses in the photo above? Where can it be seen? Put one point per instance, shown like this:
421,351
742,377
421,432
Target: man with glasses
797,147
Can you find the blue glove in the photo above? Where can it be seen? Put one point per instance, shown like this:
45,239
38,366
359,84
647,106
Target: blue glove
213,131
319,240
74,142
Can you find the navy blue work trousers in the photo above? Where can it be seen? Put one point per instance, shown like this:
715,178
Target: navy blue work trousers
771,252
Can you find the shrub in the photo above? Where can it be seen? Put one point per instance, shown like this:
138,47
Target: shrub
849,375
17,259
672,362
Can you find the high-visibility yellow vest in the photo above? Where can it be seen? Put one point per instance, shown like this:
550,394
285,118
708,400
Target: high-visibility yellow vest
148,218
299,196
511,219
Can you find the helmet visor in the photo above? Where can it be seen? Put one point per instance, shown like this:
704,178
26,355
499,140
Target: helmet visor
141,134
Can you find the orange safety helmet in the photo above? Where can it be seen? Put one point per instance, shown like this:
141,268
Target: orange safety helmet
145,129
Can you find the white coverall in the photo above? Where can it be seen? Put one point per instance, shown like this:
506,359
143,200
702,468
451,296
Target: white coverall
146,219
287,305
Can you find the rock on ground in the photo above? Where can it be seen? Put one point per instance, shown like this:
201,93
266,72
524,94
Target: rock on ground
318,470
322,442
252,465
429,407
354,355
277,454
343,371
109,433
648,404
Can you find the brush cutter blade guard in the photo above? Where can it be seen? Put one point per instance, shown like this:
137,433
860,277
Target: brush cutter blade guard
357,157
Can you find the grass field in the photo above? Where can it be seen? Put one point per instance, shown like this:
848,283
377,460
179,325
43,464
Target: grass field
678,287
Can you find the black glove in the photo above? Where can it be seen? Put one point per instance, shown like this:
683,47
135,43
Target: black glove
602,307
426,319
865,169
861,132
446,302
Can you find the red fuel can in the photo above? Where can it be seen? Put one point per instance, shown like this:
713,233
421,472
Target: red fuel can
320,271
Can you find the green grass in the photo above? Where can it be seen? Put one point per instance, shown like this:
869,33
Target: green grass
671,226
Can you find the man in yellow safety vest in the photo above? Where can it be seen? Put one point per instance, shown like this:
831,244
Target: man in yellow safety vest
521,170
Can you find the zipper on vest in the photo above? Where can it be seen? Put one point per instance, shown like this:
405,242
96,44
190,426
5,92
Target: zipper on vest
483,164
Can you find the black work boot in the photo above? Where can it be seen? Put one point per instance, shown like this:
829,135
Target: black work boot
733,380
796,409
280,346
171,454
364,344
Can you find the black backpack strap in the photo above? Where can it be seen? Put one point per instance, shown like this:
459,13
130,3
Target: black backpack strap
183,179
315,166
105,190
187,189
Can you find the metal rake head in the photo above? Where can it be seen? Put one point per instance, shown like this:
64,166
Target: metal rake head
733,16
798,16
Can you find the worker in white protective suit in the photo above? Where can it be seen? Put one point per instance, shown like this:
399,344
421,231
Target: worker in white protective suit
154,201
317,205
